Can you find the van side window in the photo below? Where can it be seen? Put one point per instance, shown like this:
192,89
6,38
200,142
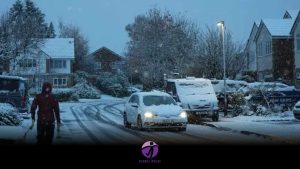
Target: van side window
171,88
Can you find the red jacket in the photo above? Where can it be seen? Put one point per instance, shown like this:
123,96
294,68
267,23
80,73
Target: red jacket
48,106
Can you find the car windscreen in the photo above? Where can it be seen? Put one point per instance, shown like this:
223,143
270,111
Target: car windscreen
158,100
9,85
195,88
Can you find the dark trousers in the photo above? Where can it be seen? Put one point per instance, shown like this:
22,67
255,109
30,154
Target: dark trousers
45,133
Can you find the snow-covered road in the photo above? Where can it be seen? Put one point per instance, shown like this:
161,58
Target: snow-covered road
100,122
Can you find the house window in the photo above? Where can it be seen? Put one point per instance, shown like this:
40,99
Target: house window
27,63
259,49
58,64
59,82
298,76
298,42
268,47
98,65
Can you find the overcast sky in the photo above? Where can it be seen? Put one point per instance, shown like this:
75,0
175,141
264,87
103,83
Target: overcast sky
103,21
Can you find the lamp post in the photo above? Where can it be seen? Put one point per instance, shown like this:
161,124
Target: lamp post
131,83
222,25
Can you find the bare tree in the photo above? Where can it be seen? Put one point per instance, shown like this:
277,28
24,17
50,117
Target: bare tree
159,44
81,44
212,57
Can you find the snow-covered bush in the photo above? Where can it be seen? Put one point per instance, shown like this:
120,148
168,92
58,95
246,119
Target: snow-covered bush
74,97
113,84
86,91
83,89
261,110
236,102
9,115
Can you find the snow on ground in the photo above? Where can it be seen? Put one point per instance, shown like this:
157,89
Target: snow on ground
282,127
94,121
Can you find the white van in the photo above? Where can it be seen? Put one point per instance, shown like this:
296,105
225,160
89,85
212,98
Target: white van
196,95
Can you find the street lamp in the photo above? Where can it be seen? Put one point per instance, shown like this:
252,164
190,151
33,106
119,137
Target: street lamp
131,83
222,25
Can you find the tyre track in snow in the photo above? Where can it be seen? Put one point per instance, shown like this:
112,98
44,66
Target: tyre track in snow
141,134
186,135
104,119
109,136
86,130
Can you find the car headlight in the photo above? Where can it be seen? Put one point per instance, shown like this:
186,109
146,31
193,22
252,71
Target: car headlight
183,114
148,114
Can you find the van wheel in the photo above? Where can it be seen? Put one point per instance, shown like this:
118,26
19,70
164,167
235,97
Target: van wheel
139,123
215,117
126,123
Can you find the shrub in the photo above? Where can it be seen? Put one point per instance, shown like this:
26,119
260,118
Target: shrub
113,84
9,115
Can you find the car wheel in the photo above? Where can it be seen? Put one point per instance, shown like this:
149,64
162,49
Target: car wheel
182,129
139,123
126,123
215,117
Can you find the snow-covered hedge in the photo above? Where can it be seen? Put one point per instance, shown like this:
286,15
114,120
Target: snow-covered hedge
67,94
81,90
113,84
84,89
9,115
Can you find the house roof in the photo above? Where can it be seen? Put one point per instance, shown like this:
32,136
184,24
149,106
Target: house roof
105,52
278,27
253,31
297,19
59,47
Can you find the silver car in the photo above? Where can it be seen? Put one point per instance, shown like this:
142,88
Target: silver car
296,110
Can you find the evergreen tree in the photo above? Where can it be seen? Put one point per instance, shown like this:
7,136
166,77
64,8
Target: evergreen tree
34,21
51,31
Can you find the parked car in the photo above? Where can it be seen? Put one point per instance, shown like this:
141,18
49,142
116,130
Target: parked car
13,90
265,86
133,89
154,110
296,110
196,95
231,85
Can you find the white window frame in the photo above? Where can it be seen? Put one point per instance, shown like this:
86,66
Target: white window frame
268,47
28,63
58,64
63,82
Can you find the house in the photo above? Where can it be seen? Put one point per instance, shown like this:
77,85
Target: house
250,52
105,60
51,62
295,33
275,49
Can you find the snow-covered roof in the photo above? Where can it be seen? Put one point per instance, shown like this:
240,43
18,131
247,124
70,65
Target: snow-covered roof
59,47
12,77
152,93
279,27
188,80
